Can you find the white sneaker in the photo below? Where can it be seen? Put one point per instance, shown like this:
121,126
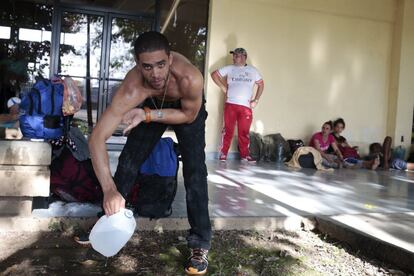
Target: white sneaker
248,159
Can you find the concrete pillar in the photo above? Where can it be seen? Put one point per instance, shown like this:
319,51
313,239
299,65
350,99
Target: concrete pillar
401,92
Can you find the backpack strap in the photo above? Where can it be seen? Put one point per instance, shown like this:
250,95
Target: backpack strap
39,102
31,104
53,99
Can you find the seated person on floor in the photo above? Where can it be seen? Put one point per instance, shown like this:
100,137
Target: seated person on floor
386,159
9,123
346,149
349,153
322,141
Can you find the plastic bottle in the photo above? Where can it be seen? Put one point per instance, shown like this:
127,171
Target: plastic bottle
110,234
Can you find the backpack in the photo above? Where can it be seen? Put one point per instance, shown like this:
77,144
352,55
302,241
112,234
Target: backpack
256,145
42,116
154,193
72,177
307,161
72,180
275,148
295,144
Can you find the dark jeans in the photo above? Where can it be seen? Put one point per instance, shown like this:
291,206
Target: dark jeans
191,141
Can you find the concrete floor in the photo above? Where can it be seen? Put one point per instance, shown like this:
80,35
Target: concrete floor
238,189
377,203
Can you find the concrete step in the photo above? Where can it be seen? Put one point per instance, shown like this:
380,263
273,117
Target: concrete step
34,224
20,152
386,237
15,206
24,174
24,181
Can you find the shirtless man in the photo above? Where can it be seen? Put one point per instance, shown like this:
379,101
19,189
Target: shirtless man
168,90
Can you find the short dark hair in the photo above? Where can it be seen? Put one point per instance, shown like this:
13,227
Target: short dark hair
375,148
339,121
150,42
329,123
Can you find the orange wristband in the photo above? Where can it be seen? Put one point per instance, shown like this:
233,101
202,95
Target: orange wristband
147,114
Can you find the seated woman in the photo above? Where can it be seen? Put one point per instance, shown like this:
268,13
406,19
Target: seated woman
342,143
322,141
349,153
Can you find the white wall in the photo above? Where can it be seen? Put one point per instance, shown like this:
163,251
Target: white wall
319,59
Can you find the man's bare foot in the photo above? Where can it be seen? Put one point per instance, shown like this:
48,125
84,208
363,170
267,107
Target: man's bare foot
376,163
386,151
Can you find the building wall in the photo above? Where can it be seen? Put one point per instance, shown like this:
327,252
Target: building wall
320,60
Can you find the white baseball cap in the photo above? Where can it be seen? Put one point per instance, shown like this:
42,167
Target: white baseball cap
13,101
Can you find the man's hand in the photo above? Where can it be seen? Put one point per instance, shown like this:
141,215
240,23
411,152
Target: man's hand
13,133
253,103
133,118
112,202
221,82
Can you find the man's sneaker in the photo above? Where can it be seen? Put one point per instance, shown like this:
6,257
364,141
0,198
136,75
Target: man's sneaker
197,263
82,239
223,157
248,159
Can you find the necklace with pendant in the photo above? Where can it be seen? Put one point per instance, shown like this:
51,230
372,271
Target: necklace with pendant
160,115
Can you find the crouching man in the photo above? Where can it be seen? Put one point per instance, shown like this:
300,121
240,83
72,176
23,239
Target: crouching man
169,91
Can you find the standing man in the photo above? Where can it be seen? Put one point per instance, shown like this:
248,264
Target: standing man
237,82
169,91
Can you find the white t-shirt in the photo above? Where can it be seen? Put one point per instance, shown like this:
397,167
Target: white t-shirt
240,80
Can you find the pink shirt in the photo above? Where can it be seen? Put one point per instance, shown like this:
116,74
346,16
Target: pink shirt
324,145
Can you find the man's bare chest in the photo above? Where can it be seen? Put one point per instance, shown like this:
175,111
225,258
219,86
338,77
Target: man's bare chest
172,93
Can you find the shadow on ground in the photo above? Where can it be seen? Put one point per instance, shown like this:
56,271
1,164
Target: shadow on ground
152,253
272,252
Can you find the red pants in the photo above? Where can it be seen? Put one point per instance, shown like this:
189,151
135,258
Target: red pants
243,116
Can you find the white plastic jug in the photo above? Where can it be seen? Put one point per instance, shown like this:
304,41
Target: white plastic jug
111,233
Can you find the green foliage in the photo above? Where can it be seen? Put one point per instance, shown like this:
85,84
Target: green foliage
55,226
82,125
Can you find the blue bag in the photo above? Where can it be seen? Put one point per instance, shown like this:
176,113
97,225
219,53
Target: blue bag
157,181
162,160
42,116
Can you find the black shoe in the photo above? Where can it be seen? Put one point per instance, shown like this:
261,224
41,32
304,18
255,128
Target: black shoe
197,263
82,239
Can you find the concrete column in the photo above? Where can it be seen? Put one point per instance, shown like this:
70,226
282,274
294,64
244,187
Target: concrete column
401,92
